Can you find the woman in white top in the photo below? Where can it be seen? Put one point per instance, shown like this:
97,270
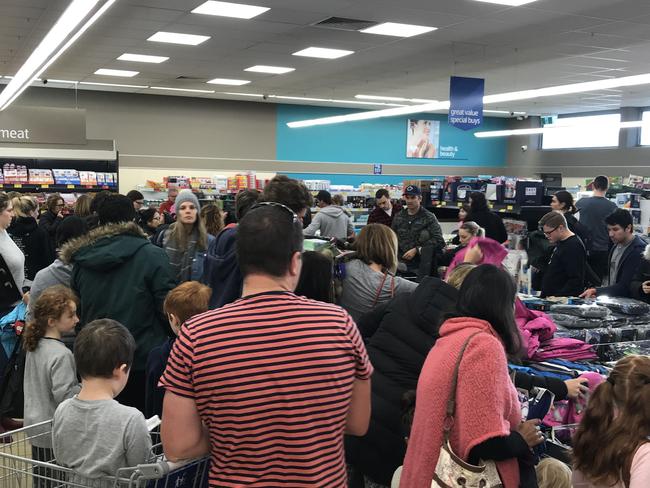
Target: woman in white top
611,447
12,255
370,278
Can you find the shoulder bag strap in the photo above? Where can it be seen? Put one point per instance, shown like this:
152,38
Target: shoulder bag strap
381,287
451,403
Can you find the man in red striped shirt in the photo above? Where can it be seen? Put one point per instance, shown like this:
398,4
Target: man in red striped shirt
268,384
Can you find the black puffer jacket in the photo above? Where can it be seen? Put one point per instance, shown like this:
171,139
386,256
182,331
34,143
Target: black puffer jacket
34,242
399,336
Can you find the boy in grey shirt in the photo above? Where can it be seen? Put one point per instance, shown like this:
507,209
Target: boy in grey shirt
92,433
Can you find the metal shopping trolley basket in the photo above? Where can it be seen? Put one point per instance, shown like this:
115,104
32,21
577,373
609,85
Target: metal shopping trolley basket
18,468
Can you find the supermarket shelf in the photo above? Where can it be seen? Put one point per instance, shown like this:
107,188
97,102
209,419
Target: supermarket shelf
497,208
56,188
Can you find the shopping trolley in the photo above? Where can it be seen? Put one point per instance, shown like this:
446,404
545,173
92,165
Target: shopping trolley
19,470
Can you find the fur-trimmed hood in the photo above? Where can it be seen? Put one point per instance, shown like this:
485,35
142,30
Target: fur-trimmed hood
646,254
104,247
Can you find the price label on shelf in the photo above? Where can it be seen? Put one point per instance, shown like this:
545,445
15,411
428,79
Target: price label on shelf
71,187
444,204
18,185
510,207
45,186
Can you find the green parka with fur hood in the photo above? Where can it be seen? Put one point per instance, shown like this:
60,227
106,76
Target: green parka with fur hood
118,274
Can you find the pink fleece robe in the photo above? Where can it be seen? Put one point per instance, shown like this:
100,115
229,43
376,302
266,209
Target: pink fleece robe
487,404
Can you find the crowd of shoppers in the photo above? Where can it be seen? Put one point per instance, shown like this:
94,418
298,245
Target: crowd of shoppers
285,366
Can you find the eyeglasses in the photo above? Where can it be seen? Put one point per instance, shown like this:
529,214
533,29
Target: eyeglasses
139,202
548,234
294,215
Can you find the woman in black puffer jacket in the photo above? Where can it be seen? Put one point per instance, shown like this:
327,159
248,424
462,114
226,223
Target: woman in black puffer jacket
32,240
399,335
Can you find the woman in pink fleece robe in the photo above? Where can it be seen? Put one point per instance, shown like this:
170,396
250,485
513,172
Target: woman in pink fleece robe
487,407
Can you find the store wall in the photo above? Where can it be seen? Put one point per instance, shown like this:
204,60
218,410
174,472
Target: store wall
628,158
158,135
383,141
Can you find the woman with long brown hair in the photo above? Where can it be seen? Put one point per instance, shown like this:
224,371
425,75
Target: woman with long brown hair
611,447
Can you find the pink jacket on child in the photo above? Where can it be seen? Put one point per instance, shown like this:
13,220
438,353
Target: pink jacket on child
487,405
493,252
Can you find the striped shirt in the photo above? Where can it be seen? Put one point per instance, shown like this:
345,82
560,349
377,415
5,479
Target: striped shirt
272,377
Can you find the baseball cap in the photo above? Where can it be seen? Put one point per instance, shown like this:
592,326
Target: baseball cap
412,190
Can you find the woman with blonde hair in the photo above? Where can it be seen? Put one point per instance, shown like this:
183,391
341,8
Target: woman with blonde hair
82,206
611,447
32,240
370,277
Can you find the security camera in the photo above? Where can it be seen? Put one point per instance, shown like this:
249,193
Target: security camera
512,114
265,97
524,148
45,81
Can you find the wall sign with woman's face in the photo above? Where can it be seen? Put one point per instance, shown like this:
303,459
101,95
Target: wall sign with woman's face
423,139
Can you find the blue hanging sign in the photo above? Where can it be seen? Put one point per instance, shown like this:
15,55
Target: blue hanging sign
466,98
377,169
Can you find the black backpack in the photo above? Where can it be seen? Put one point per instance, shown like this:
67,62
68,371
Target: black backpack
12,395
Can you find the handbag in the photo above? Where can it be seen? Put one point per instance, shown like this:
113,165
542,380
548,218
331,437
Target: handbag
451,471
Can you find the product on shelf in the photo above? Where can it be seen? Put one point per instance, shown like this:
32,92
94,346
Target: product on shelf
88,178
15,174
202,183
2,178
66,177
41,177
317,185
180,182
628,200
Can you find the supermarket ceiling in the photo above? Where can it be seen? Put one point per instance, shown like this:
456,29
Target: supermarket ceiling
540,44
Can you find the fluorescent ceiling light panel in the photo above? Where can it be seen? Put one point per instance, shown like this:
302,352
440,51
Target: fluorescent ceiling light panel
190,90
228,9
588,86
228,81
178,38
323,52
142,58
509,3
394,99
275,70
332,100
93,83
398,30
116,72
254,95
68,82
46,52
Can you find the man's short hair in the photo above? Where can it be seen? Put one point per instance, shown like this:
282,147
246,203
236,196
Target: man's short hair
287,191
621,217
187,300
553,219
115,209
244,200
325,197
102,346
135,195
267,238
601,183
381,193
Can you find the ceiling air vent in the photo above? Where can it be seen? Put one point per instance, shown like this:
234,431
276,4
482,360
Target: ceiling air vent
341,23
182,77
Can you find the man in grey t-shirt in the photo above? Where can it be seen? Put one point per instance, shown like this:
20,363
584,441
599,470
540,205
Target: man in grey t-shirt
592,213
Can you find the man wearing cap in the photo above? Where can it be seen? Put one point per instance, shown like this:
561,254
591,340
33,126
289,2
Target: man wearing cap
416,228
331,220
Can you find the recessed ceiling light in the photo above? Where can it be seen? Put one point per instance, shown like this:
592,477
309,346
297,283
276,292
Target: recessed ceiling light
509,3
322,52
112,84
227,9
275,70
177,38
116,72
190,90
398,30
142,58
228,81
